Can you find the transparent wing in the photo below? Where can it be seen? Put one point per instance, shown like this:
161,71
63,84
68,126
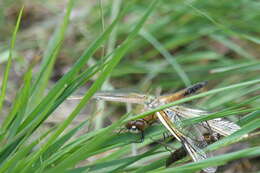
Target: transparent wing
122,97
218,125
119,97
192,140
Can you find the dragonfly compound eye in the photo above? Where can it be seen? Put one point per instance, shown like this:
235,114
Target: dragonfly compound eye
135,126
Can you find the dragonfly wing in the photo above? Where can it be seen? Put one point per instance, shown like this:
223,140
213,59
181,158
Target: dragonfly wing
122,97
223,127
188,112
197,154
218,125
172,122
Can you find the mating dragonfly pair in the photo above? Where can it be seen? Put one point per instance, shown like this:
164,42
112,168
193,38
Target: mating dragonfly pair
193,137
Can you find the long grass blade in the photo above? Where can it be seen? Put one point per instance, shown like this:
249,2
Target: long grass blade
9,62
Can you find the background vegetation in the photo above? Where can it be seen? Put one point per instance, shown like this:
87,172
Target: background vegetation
51,50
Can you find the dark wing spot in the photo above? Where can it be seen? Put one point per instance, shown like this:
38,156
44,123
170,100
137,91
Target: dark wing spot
194,88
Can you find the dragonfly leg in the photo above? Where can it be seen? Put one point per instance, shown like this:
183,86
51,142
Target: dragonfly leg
142,137
120,130
166,135
141,140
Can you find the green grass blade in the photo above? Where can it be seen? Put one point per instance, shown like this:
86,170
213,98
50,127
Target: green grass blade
49,58
87,148
221,26
114,165
214,161
67,78
233,46
59,143
9,62
218,115
21,154
18,111
246,129
113,62
154,165
69,148
169,58
235,67
249,118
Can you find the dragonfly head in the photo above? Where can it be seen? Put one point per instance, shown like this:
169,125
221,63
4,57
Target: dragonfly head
136,126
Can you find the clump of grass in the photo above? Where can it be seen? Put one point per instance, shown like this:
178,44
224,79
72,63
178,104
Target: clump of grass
178,49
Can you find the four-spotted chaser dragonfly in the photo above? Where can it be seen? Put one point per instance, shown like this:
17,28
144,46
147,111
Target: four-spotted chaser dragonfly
192,137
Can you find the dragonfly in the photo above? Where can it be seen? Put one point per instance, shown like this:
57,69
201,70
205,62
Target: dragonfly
191,137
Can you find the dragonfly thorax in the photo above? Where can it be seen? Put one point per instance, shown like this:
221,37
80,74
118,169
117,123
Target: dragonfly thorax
154,103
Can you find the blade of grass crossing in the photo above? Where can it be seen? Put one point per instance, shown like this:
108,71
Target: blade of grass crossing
238,135
221,114
249,118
